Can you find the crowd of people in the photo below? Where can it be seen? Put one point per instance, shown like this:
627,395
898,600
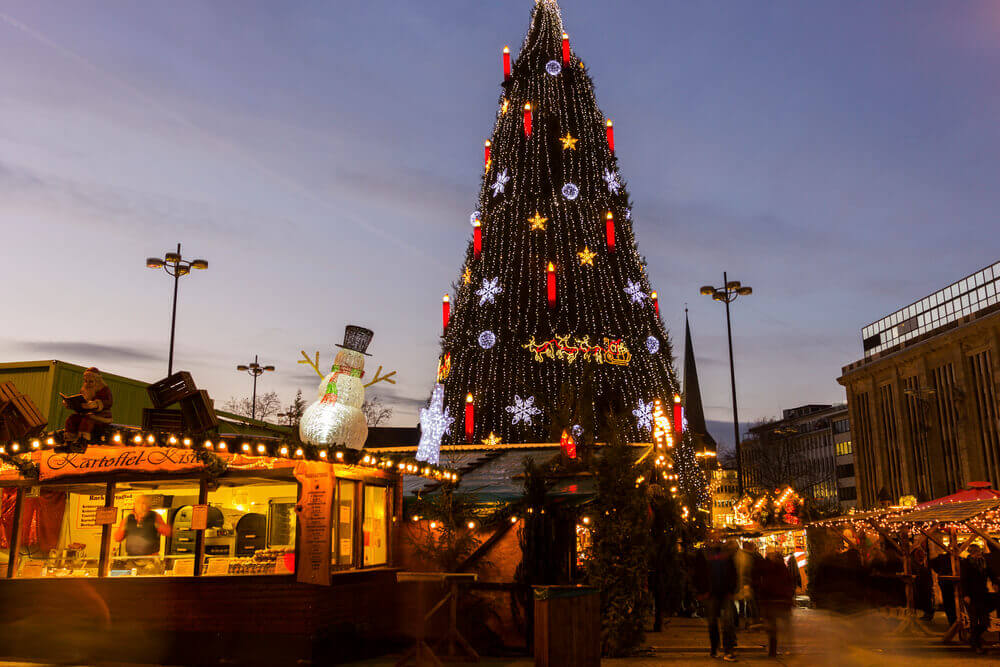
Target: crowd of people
737,586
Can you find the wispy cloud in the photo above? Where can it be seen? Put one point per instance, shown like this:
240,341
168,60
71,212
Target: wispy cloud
93,352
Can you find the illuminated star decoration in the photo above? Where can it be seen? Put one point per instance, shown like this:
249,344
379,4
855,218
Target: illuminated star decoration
644,415
501,182
537,222
586,256
634,291
503,107
523,409
467,275
611,179
492,440
434,423
488,292
568,142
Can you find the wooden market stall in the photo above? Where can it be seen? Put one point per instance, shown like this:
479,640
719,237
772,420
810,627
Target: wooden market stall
158,549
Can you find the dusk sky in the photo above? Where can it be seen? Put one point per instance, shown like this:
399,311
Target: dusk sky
840,157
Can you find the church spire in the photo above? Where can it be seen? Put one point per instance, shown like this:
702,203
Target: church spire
694,411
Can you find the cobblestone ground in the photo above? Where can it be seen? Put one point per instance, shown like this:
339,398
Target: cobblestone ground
818,638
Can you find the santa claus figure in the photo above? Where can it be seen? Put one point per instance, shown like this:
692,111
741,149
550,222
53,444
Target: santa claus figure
92,413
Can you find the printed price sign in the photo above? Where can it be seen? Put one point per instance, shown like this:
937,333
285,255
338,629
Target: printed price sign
105,516
199,517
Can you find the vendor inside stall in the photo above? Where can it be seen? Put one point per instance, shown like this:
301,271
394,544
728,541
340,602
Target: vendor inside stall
141,529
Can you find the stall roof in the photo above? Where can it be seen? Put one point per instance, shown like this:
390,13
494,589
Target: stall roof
976,491
887,514
949,512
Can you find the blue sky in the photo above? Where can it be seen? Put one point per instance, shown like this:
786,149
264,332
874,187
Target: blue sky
840,157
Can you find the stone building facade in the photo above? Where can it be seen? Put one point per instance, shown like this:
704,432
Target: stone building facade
924,401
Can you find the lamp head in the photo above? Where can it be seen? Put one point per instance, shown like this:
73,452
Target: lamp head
154,263
268,368
172,258
733,285
745,291
241,367
707,290
201,264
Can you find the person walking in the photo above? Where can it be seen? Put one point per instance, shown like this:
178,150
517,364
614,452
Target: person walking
774,589
923,585
974,575
716,583
746,559
940,563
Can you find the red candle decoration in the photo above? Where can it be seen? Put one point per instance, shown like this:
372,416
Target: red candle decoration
486,154
477,239
551,281
656,302
568,445
611,231
527,119
470,416
678,415
565,49
611,135
445,311
506,63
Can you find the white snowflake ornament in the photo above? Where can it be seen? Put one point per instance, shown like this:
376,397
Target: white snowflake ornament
501,183
488,292
612,180
644,415
635,293
523,409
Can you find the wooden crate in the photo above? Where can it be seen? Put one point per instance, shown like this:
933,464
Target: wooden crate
567,626
171,389
19,415
167,421
199,413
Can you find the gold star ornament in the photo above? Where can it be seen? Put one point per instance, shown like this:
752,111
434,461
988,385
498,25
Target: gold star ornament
492,440
586,256
467,275
537,222
568,142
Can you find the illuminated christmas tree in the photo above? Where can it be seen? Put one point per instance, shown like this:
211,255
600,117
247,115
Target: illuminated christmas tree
553,291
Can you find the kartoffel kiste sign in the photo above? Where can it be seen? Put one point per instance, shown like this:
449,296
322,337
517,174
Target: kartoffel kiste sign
112,459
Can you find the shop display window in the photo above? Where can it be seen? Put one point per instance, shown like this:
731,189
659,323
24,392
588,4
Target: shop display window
376,532
151,535
251,527
343,524
59,533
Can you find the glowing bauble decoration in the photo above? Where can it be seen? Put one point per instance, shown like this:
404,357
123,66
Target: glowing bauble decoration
434,423
335,418
553,67
487,339
489,291
501,183
577,430
653,344
644,415
570,191
523,409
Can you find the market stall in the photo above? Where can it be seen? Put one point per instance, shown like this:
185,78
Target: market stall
266,543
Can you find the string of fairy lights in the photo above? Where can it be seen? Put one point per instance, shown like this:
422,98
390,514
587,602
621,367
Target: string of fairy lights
15,453
553,256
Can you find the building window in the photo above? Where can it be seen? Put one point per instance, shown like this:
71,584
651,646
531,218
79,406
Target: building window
844,448
251,527
344,522
376,529
845,470
847,493
59,534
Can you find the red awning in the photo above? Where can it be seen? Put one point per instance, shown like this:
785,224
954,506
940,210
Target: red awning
976,491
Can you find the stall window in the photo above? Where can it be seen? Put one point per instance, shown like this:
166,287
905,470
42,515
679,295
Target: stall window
375,529
152,533
343,535
251,527
59,534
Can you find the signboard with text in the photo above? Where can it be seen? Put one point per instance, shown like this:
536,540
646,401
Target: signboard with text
315,508
96,459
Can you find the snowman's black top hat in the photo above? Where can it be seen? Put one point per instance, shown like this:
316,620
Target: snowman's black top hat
357,339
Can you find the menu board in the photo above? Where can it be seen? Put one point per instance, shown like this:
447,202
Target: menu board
315,507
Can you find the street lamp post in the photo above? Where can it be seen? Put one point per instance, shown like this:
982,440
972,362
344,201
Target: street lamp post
175,266
727,294
256,370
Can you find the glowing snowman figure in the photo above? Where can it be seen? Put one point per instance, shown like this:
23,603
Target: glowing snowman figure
335,418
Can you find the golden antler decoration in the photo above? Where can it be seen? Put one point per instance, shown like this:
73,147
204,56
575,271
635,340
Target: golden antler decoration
314,364
379,377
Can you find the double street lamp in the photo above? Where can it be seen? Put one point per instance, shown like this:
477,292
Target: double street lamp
256,370
727,294
175,266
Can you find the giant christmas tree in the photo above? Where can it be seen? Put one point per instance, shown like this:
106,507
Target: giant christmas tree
553,304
